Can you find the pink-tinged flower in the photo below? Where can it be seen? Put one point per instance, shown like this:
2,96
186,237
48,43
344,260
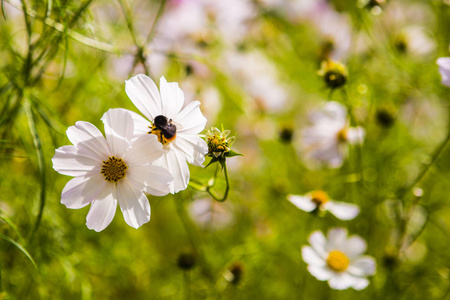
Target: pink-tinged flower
338,259
176,127
208,212
110,171
326,139
319,200
444,69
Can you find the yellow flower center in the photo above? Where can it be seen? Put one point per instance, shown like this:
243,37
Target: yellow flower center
217,145
342,135
319,197
337,261
113,169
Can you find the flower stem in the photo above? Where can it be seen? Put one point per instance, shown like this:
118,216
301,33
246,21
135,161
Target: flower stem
227,188
359,143
195,184
437,153
194,238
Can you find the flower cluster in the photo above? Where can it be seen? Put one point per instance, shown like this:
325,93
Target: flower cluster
138,156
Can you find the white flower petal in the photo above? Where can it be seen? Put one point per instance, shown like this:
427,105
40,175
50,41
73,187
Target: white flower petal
144,150
337,239
311,257
355,135
133,203
119,128
303,202
342,210
193,147
360,283
68,160
142,126
191,119
333,112
444,69
341,281
80,191
154,180
172,98
320,272
363,266
86,136
176,163
318,242
144,94
102,209
355,246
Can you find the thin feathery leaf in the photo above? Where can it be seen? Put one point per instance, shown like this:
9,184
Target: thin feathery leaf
20,247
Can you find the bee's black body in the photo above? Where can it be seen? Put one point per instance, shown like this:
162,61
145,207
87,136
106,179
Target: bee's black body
166,127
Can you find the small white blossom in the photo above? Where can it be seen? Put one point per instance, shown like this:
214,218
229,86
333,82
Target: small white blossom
444,69
319,200
338,259
326,140
176,127
109,171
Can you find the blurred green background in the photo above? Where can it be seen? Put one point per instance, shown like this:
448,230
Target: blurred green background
253,65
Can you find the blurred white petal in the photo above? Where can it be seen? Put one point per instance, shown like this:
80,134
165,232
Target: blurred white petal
303,202
342,210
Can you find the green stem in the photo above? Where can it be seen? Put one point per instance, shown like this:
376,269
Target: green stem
437,153
199,186
227,188
61,28
41,165
194,238
155,21
359,142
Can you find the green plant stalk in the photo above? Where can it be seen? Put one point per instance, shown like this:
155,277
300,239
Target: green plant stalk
194,238
102,46
227,188
41,166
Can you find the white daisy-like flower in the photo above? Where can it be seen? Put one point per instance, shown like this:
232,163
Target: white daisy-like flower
326,140
338,259
176,127
320,201
208,212
109,171
444,69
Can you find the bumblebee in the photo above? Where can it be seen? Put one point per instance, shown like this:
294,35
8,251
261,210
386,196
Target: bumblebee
164,129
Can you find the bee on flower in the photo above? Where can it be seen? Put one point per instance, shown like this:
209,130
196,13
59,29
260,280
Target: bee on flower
339,259
326,140
319,201
176,125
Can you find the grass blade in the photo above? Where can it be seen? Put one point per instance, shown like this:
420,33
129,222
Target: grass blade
20,247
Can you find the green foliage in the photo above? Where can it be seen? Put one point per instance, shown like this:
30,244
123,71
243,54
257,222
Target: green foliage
65,61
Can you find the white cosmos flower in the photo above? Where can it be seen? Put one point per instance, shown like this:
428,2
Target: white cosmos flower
444,69
326,140
338,259
319,200
177,127
110,171
210,213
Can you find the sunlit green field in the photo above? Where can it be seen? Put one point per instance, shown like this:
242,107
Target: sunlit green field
328,101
